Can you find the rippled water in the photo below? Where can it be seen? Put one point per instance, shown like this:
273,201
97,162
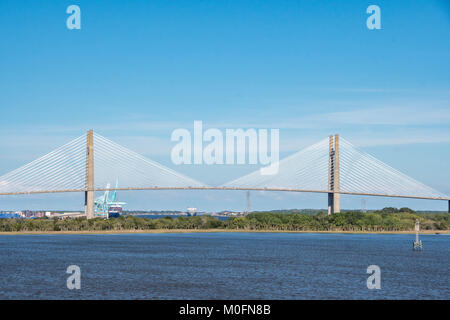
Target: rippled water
224,266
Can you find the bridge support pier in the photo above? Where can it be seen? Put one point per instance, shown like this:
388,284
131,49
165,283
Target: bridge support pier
334,197
330,203
89,182
448,206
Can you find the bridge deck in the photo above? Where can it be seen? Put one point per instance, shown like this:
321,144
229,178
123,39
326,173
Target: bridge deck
226,188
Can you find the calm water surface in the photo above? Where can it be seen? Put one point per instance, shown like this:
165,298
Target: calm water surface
224,266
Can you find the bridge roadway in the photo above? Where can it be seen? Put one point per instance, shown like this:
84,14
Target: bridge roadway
227,188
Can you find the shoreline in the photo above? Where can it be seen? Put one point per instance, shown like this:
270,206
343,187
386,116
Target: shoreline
162,231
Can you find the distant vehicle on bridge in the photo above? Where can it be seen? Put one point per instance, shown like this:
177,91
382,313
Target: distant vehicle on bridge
107,205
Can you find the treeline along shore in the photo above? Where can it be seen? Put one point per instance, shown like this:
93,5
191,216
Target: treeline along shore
386,220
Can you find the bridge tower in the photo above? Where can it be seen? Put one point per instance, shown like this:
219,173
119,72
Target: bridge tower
334,197
89,181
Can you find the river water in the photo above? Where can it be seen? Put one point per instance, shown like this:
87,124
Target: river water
224,266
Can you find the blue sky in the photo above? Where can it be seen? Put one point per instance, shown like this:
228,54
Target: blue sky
138,70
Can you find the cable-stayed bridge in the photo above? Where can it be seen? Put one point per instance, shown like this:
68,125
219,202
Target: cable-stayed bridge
333,166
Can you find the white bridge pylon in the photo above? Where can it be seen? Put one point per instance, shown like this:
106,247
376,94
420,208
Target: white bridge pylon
324,167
